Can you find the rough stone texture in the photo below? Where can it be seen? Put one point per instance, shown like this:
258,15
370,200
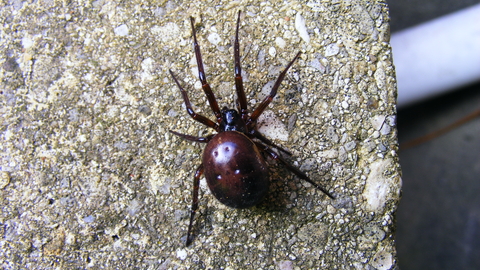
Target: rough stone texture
92,179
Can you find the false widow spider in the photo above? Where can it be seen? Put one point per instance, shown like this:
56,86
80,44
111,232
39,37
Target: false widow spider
232,161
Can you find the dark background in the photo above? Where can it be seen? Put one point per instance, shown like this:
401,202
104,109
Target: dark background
439,215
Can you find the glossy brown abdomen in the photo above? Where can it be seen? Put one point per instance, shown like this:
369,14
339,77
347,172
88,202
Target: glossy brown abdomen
235,170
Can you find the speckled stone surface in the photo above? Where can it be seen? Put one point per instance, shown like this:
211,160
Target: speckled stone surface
91,178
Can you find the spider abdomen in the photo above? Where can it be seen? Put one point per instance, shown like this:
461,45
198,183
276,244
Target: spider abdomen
235,170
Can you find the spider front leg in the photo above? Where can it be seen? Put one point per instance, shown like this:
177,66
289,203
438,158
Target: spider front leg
242,100
259,110
201,75
197,117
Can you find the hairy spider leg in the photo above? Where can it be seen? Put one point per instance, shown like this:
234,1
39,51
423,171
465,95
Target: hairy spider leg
265,140
201,75
197,117
193,138
259,110
292,168
193,210
238,75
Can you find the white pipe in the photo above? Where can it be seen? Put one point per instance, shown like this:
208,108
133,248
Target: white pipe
437,56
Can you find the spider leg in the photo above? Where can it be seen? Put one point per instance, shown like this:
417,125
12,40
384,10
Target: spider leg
238,75
193,210
201,75
293,169
193,138
200,118
259,110
266,141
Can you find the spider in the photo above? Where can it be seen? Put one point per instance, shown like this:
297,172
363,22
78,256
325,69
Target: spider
233,159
